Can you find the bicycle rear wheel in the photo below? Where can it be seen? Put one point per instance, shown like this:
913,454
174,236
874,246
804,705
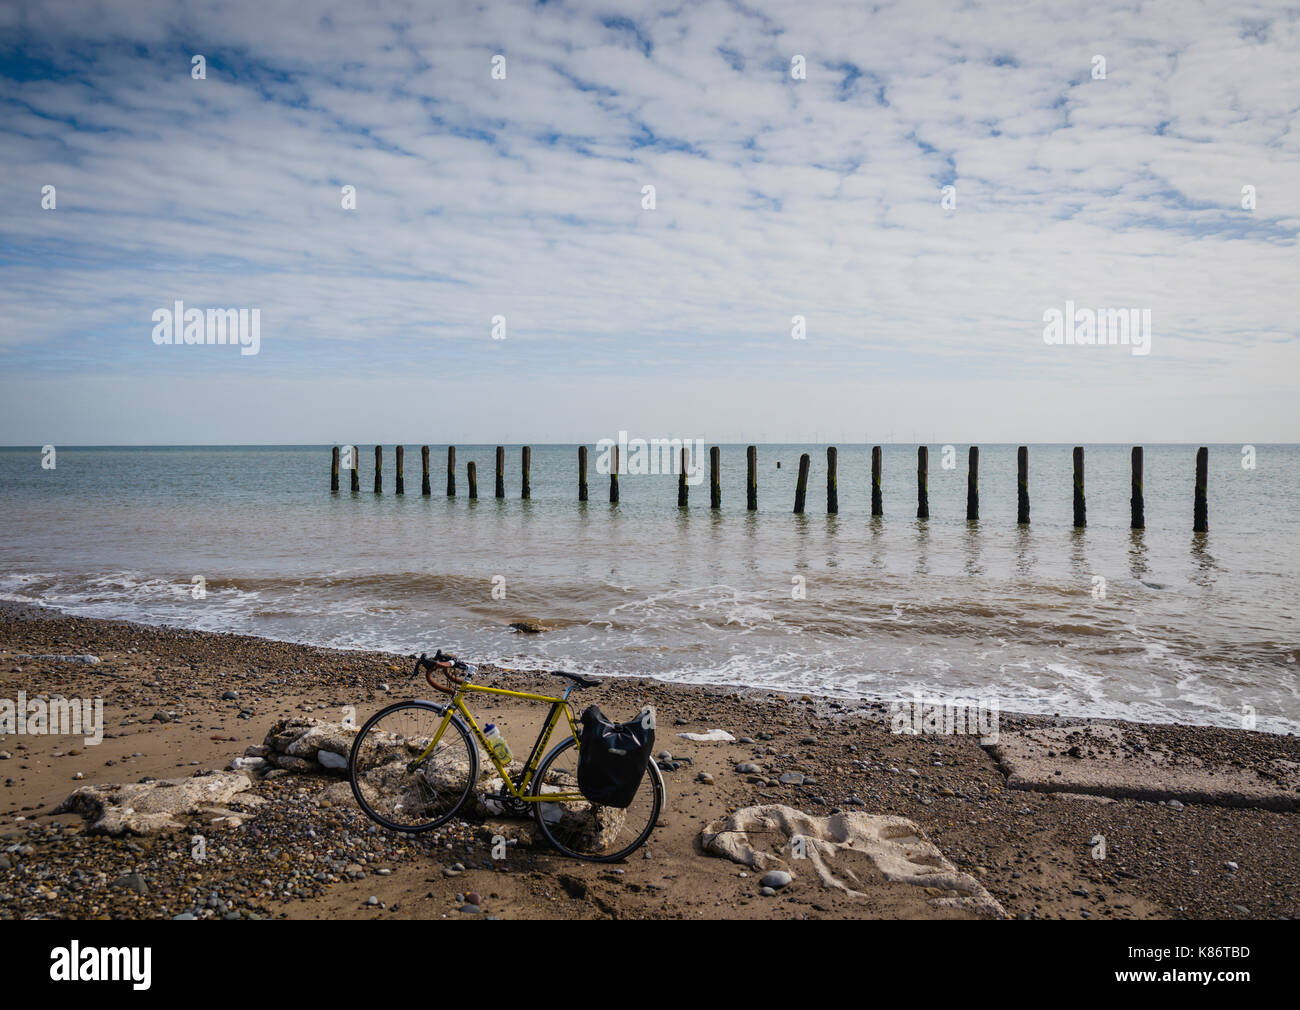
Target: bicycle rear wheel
394,790
585,830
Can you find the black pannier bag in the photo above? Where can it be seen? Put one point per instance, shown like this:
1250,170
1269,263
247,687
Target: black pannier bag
612,757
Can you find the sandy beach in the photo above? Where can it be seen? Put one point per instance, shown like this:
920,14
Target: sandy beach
180,703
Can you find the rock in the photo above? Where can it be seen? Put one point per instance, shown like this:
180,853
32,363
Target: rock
372,901
249,764
86,659
184,916
133,882
767,892
295,764
791,779
705,778
1232,866
529,627
334,762
712,736
776,879
469,909
748,768
230,696
473,898
145,808
895,846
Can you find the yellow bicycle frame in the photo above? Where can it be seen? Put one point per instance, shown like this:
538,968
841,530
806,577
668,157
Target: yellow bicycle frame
558,706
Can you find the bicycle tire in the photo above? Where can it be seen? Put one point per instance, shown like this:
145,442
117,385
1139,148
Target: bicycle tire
471,754
652,776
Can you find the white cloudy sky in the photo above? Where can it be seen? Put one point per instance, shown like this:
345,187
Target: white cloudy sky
775,197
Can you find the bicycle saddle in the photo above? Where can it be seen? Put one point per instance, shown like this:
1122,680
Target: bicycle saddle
580,681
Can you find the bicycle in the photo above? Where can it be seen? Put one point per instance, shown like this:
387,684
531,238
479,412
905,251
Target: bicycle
414,764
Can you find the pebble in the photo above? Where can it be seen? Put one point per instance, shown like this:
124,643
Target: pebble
705,778
372,900
747,768
776,878
767,892
791,779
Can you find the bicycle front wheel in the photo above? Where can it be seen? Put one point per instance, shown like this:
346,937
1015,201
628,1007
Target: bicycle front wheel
585,830
392,784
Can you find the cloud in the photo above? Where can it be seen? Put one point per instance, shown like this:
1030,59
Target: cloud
775,197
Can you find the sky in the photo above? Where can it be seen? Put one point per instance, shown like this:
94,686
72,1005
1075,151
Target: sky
500,152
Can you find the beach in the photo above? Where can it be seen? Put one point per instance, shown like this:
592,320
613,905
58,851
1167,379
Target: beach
179,703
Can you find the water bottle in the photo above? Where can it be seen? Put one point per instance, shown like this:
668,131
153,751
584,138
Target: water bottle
497,743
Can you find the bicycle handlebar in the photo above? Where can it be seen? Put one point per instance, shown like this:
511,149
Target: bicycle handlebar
442,663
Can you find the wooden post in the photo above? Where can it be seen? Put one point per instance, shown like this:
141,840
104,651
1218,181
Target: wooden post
832,492
526,488
356,469
471,474
1080,506
582,473
683,493
501,471
801,486
379,466
334,469
1022,484
398,476
425,488
451,471
922,482
1136,502
751,478
715,477
613,475
1201,510
877,499
973,485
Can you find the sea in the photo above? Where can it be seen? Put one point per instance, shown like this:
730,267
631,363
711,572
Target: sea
1159,625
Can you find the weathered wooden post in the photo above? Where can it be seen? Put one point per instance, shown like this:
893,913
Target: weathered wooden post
832,491
877,498
398,476
1080,506
613,475
451,471
471,474
425,488
1201,512
683,493
1022,484
922,482
501,471
801,485
751,478
973,485
1136,502
715,477
582,473
334,469
379,466
356,469
526,489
